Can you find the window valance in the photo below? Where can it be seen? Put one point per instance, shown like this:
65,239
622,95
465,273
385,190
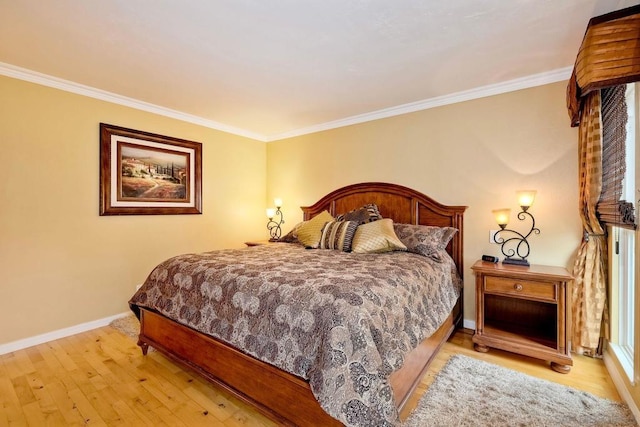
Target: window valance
609,56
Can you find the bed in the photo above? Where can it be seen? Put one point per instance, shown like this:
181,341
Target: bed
279,393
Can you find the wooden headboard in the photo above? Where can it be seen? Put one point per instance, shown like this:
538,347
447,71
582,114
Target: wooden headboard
399,203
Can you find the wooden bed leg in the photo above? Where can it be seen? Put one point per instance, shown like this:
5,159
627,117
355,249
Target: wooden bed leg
144,346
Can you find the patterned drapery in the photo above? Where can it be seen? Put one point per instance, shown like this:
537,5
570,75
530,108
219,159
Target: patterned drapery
589,294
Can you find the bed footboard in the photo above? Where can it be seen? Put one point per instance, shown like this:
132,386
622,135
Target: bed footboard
283,397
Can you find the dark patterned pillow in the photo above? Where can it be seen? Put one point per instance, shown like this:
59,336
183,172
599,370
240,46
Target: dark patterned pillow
362,215
291,236
338,235
424,239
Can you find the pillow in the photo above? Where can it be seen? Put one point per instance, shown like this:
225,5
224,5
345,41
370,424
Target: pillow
376,237
362,215
291,236
338,235
424,239
309,232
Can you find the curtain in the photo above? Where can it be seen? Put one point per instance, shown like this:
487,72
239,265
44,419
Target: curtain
589,293
609,55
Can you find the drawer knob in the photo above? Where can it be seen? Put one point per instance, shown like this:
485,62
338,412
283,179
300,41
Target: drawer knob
517,287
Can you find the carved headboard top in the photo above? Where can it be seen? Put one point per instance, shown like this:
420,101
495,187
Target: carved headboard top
402,204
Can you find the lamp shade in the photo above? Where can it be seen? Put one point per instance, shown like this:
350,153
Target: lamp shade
526,198
502,216
271,213
277,202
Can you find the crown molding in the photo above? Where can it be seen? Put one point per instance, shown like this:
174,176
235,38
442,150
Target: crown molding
540,79
534,80
91,92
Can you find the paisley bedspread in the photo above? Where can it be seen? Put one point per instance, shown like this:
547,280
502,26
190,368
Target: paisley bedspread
343,321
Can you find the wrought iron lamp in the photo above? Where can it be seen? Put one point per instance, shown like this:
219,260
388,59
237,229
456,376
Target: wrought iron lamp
516,248
275,231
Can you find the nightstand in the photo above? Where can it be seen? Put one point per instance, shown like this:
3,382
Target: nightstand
523,310
259,243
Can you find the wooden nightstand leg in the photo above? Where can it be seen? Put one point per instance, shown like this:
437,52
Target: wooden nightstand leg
481,348
563,369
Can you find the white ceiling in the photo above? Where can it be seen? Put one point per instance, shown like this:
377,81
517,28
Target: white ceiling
276,68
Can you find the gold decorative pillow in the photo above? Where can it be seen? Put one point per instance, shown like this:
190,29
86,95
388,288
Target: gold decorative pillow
309,232
375,237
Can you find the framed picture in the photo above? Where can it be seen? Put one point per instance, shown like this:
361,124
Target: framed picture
143,173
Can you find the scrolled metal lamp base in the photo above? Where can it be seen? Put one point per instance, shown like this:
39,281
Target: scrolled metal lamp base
275,231
519,241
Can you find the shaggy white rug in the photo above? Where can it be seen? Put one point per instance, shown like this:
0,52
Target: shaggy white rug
470,392
128,325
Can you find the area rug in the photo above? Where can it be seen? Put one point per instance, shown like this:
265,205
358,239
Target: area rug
470,392
129,326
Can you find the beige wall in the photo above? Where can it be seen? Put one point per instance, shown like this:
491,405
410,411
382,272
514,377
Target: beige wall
477,153
61,264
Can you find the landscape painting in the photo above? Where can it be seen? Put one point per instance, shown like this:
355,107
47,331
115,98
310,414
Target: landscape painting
148,174
152,174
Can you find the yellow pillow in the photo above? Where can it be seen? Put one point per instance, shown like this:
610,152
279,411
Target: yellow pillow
375,237
310,232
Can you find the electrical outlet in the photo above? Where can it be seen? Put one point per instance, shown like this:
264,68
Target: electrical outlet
492,236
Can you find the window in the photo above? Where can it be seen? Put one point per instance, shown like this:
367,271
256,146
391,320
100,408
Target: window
623,293
623,255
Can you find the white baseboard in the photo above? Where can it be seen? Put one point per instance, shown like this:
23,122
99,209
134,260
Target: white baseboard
60,333
620,385
469,324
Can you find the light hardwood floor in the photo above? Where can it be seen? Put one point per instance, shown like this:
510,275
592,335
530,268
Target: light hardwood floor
101,378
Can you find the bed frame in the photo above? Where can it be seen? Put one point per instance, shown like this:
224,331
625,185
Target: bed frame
284,397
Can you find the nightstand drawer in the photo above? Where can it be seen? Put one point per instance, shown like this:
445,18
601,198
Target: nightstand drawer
521,288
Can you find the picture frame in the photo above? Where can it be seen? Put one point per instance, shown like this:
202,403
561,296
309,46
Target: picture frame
143,173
